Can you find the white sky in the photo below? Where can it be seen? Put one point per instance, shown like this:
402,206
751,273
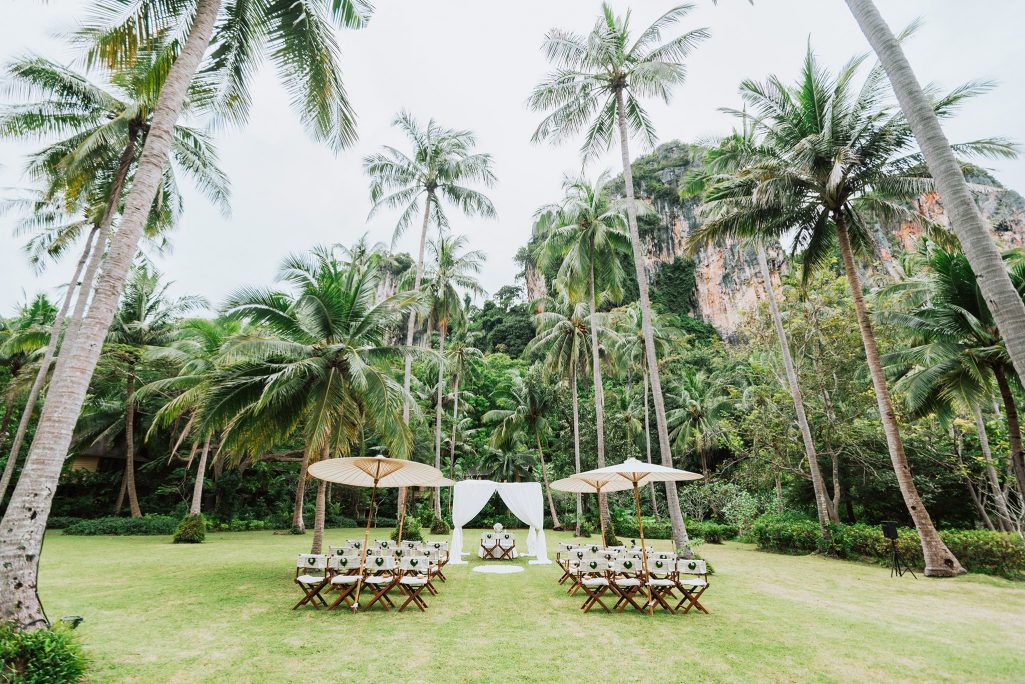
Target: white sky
472,64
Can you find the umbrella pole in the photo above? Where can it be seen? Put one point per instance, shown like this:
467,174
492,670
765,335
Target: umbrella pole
402,519
640,528
366,539
601,518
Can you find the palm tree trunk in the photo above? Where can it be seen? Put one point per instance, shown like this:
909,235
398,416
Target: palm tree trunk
442,329
818,485
1003,514
1003,300
44,369
318,517
544,477
452,445
298,525
407,368
680,539
197,488
120,500
576,441
647,440
133,497
599,391
1013,428
21,532
939,561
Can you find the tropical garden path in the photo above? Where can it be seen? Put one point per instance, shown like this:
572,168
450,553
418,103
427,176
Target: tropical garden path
219,611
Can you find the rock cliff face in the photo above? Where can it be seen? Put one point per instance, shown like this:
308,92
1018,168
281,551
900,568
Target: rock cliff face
727,281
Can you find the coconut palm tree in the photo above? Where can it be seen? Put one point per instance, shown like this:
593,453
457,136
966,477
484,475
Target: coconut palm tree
315,363
146,318
302,45
563,338
967,223
701,404
955,353
830,154
584,237
451,273
463,361
100,130
596,84
526,409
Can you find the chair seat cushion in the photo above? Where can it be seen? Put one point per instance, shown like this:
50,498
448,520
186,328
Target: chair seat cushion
595,581
377,579
693,582
309,579
628,582
344,579
414,581
657,582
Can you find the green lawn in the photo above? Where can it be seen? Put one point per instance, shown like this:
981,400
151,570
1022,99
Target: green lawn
220,611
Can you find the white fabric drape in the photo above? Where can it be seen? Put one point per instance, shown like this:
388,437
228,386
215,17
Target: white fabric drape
524,500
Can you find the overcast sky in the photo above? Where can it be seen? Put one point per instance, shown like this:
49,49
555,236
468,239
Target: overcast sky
471,64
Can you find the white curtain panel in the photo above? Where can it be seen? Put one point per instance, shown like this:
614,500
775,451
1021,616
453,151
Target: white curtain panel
524,499
526,502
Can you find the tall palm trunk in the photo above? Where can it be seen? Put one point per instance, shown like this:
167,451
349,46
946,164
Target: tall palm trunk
939,561
407,368
576,441
680,539
442,329
455,427
1004,301
647,439
599,391
1013,428
21,532
44,369
298,525
818,485
544,477
318,517
197,488
133,497
1003,514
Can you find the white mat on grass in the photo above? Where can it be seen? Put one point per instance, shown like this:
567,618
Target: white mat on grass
498,569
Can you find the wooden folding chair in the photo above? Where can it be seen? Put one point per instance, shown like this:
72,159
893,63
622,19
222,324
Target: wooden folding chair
692,581
344,572
489,545
594,580
578,557
661,582
414,571
441,548
506,546
562,558
381,579
311,576
626,579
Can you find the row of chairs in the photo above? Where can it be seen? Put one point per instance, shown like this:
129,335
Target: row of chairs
497,545
410,568
619,571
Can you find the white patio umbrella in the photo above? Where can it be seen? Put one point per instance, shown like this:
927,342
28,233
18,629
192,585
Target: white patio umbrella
374,472
636,472
587,483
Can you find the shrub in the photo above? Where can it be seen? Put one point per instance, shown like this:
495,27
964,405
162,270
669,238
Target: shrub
712,532
985,551
42,656
411,530
439,526
191,530
237,525
113,525
60,522
341,521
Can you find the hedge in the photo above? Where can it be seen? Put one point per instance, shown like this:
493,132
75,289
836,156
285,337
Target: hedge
983,551
708,530
149,524
41,656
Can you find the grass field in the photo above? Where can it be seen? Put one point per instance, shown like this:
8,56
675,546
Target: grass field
220,611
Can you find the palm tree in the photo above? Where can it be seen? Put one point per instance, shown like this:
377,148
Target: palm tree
729,156
527,408
563,337
966,221
463,361
100,130
829,154
700,406
955,352
584,237
305,51
145,319
595,84
316,363
451,273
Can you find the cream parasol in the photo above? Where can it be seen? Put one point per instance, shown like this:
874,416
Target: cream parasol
587,483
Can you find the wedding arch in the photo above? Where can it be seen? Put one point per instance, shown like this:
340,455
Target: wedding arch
523,499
